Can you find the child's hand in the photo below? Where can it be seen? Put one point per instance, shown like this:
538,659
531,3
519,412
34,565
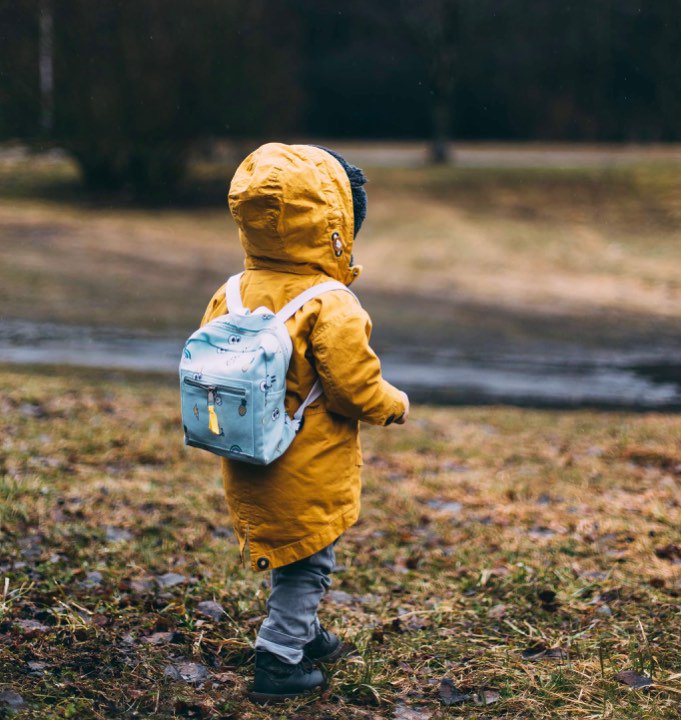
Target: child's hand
403,418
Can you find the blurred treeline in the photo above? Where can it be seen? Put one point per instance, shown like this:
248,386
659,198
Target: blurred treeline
129,87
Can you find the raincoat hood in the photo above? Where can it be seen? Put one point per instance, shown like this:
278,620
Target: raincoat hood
293,206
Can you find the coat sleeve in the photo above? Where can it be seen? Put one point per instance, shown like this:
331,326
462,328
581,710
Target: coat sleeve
348,368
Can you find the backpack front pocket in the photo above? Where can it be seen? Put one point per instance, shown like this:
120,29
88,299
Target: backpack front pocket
218,417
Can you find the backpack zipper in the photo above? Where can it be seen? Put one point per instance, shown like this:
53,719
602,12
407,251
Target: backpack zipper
213,388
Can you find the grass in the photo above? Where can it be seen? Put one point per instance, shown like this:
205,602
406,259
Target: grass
486,534
580,241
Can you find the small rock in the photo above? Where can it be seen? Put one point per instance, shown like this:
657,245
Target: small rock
11,699
604,610
211,609
189,672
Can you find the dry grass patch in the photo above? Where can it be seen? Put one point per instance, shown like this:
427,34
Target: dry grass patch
567,241
511,557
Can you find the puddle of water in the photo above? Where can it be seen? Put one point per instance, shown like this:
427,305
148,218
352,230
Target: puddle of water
503,379
634,380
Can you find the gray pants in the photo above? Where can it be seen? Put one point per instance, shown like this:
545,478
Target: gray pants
292,606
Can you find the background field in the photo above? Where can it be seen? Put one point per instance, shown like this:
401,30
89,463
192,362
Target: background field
591,238
524,557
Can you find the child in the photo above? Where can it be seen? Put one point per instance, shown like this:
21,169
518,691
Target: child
298,208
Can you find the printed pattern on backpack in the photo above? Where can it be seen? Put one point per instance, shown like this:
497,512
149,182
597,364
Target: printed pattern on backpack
233,380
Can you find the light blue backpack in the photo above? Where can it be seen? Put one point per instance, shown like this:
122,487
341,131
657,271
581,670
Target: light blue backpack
233,380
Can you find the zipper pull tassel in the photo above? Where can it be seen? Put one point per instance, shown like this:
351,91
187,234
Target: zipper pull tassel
213,424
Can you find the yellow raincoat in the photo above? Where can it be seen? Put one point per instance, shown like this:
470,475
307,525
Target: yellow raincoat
293,206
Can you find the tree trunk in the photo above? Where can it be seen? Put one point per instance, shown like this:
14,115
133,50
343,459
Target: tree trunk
441,116
46,67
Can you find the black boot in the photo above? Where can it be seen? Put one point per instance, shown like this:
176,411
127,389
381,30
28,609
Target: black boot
326,647
276,680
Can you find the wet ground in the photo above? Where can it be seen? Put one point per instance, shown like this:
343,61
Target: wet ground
455,353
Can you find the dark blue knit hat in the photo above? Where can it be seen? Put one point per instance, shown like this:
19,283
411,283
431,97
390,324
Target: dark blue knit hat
357,180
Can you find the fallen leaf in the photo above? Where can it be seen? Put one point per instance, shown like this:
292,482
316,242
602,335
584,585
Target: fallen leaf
633,679
408,620
170,579
222,532
448,507
32,410
188,672
36,667
497,612
541,532
211,609
114,534
31,627
547,596
158,638
11,699
30,547
224,677
92,579
340,597
548,599
450,694
142,585
185,708
671,552
402,712
542,652
486,697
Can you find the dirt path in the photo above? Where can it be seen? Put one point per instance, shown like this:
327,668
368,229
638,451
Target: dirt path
508,155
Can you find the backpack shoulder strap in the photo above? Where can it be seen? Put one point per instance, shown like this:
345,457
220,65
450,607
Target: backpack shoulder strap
288,311
292,307
233,294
